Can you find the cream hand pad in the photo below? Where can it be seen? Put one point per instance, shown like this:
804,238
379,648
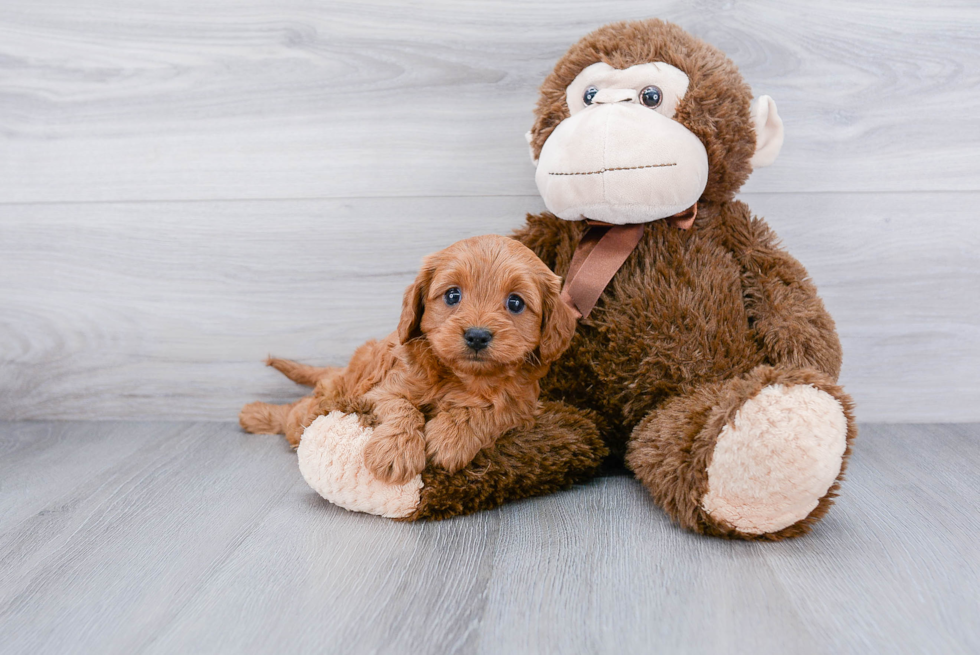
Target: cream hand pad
331,460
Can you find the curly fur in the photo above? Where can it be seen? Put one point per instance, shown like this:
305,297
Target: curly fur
692,326
689,424
562,448
432,396
695,322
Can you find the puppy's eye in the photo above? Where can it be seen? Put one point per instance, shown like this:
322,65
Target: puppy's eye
515,304
589,94
453,296
651,96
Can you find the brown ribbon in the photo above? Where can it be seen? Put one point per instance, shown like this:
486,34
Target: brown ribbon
601,252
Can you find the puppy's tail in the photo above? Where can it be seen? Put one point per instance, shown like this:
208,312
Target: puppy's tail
300,373
263,418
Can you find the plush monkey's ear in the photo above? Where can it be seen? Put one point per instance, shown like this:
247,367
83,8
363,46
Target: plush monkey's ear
530,148
768,131
413,304
557,322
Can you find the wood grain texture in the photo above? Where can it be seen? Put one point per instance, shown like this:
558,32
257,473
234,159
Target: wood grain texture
186,187
166,310
183,100
900,274
198,538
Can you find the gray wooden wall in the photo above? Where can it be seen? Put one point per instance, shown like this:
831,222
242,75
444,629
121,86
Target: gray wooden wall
186,186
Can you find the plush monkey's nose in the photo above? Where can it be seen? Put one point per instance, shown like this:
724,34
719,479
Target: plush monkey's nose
612,96
477,338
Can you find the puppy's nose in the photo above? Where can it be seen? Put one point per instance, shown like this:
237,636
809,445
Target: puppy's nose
477,338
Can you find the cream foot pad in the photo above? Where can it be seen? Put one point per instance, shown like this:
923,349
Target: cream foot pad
777,459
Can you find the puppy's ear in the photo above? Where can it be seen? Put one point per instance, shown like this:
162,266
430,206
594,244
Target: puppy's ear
413,304
557,322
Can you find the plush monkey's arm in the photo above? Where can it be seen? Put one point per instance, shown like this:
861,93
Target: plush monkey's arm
790,321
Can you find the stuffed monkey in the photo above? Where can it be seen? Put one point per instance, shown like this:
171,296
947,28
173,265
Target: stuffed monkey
704,359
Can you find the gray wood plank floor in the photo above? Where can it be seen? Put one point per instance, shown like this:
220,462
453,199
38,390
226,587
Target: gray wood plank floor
123,537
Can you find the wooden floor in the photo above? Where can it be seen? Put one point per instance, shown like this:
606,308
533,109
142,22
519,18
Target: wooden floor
124,537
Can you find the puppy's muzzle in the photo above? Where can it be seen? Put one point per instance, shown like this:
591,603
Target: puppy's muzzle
477,338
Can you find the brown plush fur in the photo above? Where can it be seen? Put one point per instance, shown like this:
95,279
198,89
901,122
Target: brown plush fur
431,395
708,304
671,449
695,322
562,448
689,313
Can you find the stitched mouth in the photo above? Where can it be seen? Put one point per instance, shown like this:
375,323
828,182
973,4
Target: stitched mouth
621,168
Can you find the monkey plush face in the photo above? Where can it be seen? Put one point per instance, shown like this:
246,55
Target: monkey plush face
639,121
620,157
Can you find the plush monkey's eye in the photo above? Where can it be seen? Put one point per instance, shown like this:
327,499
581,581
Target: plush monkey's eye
589,94
515,304
651,96
452,296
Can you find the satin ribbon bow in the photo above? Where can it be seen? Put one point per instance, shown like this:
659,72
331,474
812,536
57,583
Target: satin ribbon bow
601,252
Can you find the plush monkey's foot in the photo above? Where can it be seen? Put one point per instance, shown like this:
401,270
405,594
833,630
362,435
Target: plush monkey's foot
753,457
331,459
776,460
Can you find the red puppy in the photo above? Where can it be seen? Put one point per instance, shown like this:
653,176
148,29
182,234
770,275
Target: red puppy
479,328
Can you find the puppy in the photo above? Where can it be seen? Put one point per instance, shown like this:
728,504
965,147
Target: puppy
479,328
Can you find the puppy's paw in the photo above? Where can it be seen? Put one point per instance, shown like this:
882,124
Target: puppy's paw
394,457
449,444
